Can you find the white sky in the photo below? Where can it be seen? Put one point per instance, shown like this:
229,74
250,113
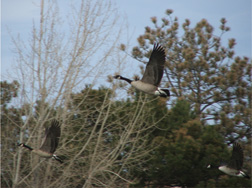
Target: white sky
17,17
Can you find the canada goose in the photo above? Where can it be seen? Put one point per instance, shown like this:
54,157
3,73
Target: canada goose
152,75
49,143
234,166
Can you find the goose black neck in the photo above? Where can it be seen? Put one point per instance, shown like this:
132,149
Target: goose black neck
126,79
28,147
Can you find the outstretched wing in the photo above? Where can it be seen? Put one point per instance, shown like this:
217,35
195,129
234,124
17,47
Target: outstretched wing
236,160
51,138
155,67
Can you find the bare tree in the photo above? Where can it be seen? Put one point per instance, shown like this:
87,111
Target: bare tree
99,145
113,138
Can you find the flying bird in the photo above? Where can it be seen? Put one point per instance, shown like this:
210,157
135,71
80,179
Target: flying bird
152,75
49,143
234,166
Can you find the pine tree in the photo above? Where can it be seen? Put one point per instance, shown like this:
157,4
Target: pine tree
204,72
215,87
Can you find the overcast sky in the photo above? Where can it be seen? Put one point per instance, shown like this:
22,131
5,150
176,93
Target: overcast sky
17,17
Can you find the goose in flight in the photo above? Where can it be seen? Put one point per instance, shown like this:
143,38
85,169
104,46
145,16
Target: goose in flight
49,143
152,75
234,166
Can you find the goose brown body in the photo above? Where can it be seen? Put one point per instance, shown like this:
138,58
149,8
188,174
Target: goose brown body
42,153
144,87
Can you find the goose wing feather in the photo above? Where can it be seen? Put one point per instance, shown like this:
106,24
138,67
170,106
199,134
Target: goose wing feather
236,160
154,69
51,138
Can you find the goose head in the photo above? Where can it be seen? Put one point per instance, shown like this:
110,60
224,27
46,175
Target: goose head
122,78
25,146
20,145
117,76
